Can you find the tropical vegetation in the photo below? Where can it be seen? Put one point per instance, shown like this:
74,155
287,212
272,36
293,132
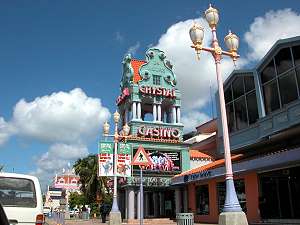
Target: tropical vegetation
94,188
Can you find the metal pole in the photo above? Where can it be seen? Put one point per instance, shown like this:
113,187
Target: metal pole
141,197
115,207
231,201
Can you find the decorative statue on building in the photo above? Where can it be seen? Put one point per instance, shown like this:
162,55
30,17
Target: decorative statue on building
159,66
127,72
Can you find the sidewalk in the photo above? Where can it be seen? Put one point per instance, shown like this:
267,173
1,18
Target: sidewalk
77,222
92,222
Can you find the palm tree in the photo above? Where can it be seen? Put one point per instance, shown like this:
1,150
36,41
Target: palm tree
91,184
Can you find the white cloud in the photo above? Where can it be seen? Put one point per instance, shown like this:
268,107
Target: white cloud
133,49
68,117
57,158
67,121
194,76
6,130
69,152
192,119
266,30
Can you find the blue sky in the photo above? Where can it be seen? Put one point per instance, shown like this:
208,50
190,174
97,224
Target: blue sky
63,58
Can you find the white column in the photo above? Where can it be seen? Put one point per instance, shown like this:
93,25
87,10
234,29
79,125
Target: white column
161,204
178,115
134,110
139,111
177,200
146,202
154,112
159,113
173,114
130,207
138,204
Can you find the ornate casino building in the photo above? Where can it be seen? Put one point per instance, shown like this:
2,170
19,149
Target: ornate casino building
150,104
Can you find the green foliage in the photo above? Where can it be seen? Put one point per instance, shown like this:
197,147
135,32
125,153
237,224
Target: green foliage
1,167
91,184
95,208
108,198
76,199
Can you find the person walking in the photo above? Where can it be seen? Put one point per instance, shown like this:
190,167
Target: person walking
104,210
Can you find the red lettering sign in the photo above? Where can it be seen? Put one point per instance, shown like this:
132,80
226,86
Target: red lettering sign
159,132
160,91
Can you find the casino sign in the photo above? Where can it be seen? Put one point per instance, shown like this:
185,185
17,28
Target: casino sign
159,132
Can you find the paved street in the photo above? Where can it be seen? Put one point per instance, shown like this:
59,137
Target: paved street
90,222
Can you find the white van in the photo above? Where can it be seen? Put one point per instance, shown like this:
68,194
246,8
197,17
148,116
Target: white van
21,198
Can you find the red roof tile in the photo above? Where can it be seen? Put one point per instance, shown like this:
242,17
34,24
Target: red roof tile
197,154
212,165
136,64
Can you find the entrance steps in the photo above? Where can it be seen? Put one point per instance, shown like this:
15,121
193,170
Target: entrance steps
153,221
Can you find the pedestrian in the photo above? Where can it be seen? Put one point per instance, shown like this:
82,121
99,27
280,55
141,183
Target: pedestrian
84,212
104,210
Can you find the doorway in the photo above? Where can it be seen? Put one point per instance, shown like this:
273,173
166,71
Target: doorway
279,193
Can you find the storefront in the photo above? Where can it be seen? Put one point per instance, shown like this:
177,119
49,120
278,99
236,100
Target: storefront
267,187
279,193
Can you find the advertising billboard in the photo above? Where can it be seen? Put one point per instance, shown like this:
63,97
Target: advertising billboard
163,161
105,157
124,160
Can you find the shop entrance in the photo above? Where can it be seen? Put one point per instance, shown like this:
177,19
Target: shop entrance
279,194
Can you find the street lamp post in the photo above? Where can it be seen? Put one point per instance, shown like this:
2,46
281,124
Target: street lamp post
115,214
232,212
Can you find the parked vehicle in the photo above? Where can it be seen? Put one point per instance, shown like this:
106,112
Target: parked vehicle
21,198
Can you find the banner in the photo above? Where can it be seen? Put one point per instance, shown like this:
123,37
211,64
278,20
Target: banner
164,162
105,166
124,160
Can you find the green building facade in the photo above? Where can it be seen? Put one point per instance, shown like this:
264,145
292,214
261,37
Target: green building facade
150,104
